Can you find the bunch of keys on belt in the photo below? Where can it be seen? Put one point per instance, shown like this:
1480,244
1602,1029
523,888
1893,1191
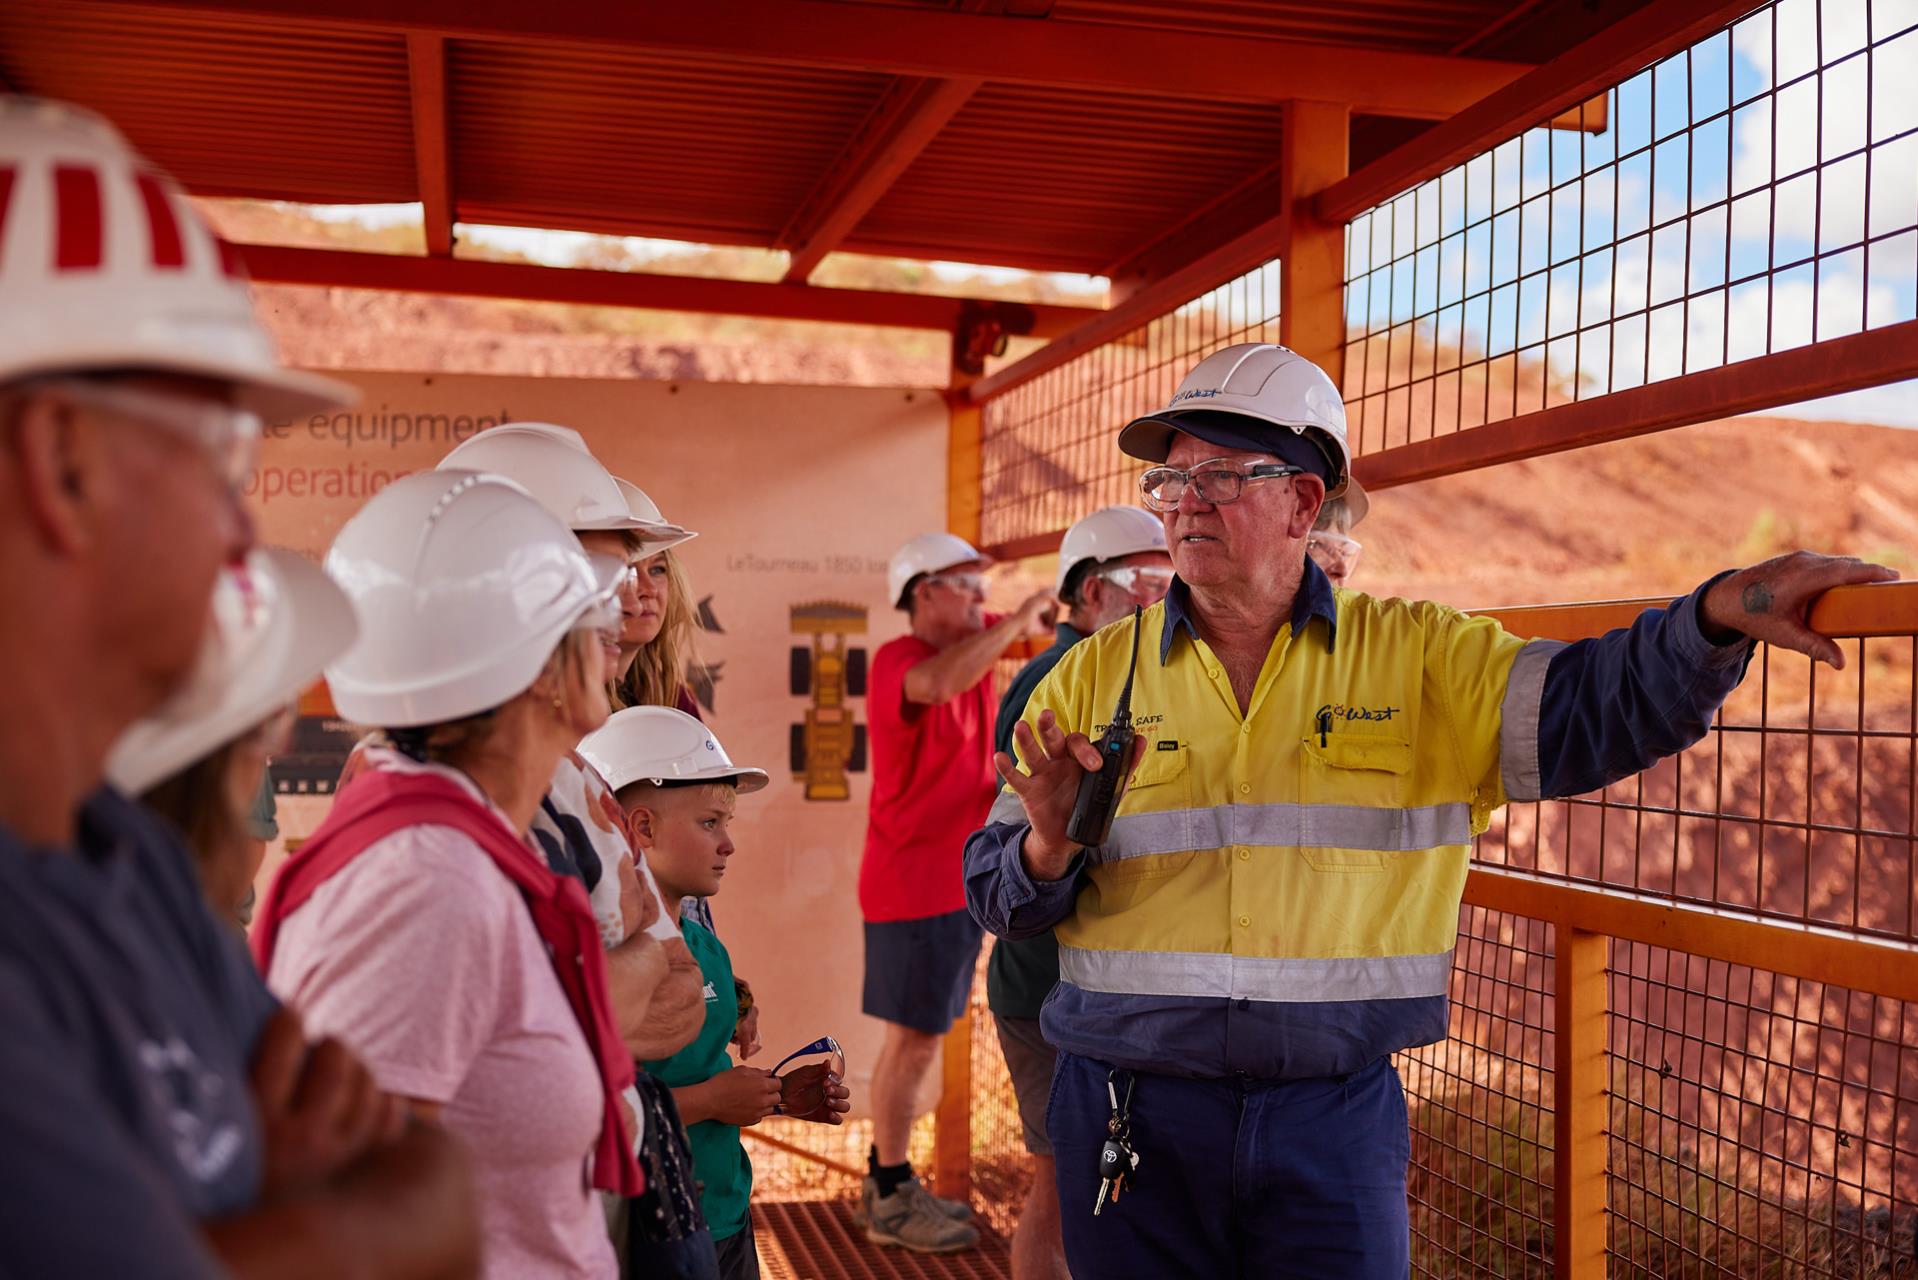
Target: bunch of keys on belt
1117,1159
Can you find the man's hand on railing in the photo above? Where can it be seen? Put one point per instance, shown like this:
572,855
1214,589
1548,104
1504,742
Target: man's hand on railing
1771,602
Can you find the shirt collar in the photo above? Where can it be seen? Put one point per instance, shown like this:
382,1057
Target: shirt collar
1065,635
1314,600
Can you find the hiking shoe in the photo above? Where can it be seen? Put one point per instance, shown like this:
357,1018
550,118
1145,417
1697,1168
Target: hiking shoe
911,1217
957,1210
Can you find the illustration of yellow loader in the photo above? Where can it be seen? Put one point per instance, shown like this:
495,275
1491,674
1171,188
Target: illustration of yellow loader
831,743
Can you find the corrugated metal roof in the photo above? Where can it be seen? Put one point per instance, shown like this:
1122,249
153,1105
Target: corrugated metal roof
1064,179
623,139
638,144
297,113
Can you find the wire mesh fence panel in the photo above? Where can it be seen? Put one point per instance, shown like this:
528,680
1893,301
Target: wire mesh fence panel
1761,1125
1480,1104
1797,806
1754,193
1048,451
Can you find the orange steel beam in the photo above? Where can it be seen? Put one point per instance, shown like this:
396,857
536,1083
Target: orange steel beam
1869,359
942,44
432,156
905,122
281,264
1580,1011
1213,266
1814,952
1316,153
1582,72
1885,609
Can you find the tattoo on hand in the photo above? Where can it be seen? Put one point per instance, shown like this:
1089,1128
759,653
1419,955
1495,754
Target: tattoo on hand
1757,598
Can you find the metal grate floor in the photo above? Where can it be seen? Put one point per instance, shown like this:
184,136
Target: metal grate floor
816,1240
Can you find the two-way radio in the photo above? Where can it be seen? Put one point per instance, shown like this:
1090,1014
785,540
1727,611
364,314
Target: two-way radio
1098,798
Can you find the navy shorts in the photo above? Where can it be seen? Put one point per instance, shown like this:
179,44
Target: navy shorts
919,972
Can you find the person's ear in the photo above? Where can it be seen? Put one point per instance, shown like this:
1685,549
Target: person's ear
56,469
641,825
1305,512
1092,593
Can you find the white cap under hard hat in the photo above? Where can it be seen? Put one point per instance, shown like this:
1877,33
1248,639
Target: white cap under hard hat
105,265
662,744
277,620
464,584
927,553
1234,397
1107,534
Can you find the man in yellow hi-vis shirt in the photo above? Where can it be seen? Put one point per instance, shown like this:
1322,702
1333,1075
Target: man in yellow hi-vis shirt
1273,912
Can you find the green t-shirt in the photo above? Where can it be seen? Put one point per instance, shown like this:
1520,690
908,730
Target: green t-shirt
719,1158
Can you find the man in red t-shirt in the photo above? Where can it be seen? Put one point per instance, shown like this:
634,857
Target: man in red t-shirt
930,703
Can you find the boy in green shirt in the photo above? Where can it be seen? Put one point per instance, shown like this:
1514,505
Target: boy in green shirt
676,788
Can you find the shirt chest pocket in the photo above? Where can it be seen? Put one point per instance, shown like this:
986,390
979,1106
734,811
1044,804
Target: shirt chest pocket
1153,836
1352,789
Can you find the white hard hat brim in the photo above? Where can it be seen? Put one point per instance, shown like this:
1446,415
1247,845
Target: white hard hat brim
745,780
1149,439
276,395
655,538
1357,501
319,625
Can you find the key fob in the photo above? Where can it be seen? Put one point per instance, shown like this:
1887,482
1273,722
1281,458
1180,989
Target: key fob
1113,1160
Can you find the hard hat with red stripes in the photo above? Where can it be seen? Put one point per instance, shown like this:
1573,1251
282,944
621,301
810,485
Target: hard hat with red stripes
105,265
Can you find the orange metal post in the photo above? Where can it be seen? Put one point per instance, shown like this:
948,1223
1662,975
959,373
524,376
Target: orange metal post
952,1122
965,427
1579,1127
1315,153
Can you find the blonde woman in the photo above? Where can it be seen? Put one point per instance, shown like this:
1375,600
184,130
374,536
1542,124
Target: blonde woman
657,646
419,924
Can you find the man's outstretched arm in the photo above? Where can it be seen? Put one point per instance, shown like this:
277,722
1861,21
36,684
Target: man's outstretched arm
1577,717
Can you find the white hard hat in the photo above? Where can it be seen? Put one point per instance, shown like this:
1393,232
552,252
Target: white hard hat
1357,502
661,744
553,464
1107,534
277,620
654,529
1261,381
464,585
927,553
105,265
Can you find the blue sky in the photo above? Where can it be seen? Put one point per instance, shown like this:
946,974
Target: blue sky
1757,192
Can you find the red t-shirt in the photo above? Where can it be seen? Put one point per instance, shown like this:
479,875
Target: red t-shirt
932,783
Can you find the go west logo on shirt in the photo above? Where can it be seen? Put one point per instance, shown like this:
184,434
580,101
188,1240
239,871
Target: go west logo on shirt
710,994
1340,711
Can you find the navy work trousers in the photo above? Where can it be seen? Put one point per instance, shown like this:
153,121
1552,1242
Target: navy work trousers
1245,1178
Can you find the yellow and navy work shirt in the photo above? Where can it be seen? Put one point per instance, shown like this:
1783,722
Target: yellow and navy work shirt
1279,895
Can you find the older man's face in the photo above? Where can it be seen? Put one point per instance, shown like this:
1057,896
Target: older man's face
166,519
1257,539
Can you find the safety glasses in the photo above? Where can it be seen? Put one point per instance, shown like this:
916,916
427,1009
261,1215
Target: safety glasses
1216,482
1337,554
1140,579
964,583
835,1056
230,435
